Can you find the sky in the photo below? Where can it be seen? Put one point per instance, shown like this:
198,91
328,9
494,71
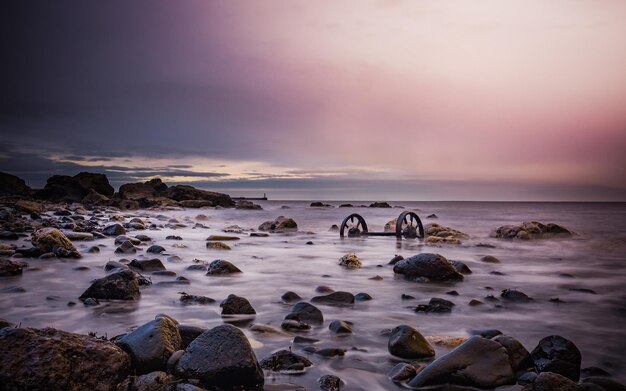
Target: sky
345,100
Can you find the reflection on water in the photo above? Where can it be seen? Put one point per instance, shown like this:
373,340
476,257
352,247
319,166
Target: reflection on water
568,269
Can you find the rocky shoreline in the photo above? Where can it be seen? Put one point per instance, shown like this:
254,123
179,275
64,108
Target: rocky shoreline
164,354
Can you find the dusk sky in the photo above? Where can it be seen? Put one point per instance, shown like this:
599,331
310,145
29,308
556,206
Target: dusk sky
345,100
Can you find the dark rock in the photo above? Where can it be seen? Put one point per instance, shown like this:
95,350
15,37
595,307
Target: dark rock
122,285
300,339
336,298
8,235
62,188
478,362
54,240
452,293
559,355
379,205
147,265
31,252
290,296
198,267
247,205
217,246
114,230
401,372
485,333
461,267
285,361
329,383
153,381
112,265
407,297
519,356
138,191
126,248
10,268
155,249
432,216
152,344
281,224
12,289
96,182
319,204
195,299
328,352
340,326
222,358
291,324
435,305
432,267
531,230
305,312
195,203
50,359
362,297
184,192
607,384
334,228
12,185
407,342
222,238
258,235
173,237
236,305
188,333
514,296
5,323
221,267
548,381
166,273
593,371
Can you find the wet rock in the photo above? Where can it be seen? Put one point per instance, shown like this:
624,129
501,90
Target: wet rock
29,207
143,238
114,230
291,324
153,381
185,192
285,361
427,266
298,339
327,352
548,381
362,297
152,344
407,342
258,235
531,230
221,267
53,240
395,260
71,235
188,333
195,203
432,216
10,268
305,312
336,298
515,296
324,289
222,358
155,249
461,267
217,246
350,261
99,183
593,371
490,259
379,205
221,238
334,228
126,248
147,265
12,185
173,237
559,355
478,362
605,383
329,383
519,356
236,305
112,265
12,289
281,224
290,296
401,372
8,235
122,285
247,205
436,233
340,326
195,299
64,361
198,267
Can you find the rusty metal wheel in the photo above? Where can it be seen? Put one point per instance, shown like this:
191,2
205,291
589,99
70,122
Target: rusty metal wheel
409,225
355,224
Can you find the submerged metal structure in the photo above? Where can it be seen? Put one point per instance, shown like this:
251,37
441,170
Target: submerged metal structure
408,225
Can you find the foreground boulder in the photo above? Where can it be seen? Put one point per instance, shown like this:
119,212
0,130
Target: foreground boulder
531,230
50,359
407,342
558,355
222,358
281,224
478,362
152,344
427,267
53,240
122,285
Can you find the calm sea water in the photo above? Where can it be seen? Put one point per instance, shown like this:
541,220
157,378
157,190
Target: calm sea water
595,259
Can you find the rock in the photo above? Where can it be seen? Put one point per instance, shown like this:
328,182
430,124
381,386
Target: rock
436,233
10,268
62,188
461,267
290,296
217,246
593,371
490,259
247,205
435,305
431,267
112,265
362,297
236,305
305,312
126,248
114,230
53,240
485,333
195,203
138,191
329,383
520,357
336,298
395,260
432,216
531,230
401,372
184,192
221,238
334,228
327,352
123,238
340,326
478,362
152,344
153,381
147,265
319,204
281,224
155,249
173,237
222,358
294,325
298,339
29,207
12,185
195,299
605,383
350,261
559,355
50,359
71,235
188,333
221,267
516,296
94,198
285,361
406,342
379,205
122,285
7,235
548,381
258,235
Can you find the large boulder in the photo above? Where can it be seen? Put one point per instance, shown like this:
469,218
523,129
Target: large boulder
478,362
50,359
96,182
281,224
221,267
236,305
53,240
152,344
138,191
62,188
184,192
407,342
436,233
122,285
559,355
12,185
428,267
222,358
531,230
549,381
305,312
